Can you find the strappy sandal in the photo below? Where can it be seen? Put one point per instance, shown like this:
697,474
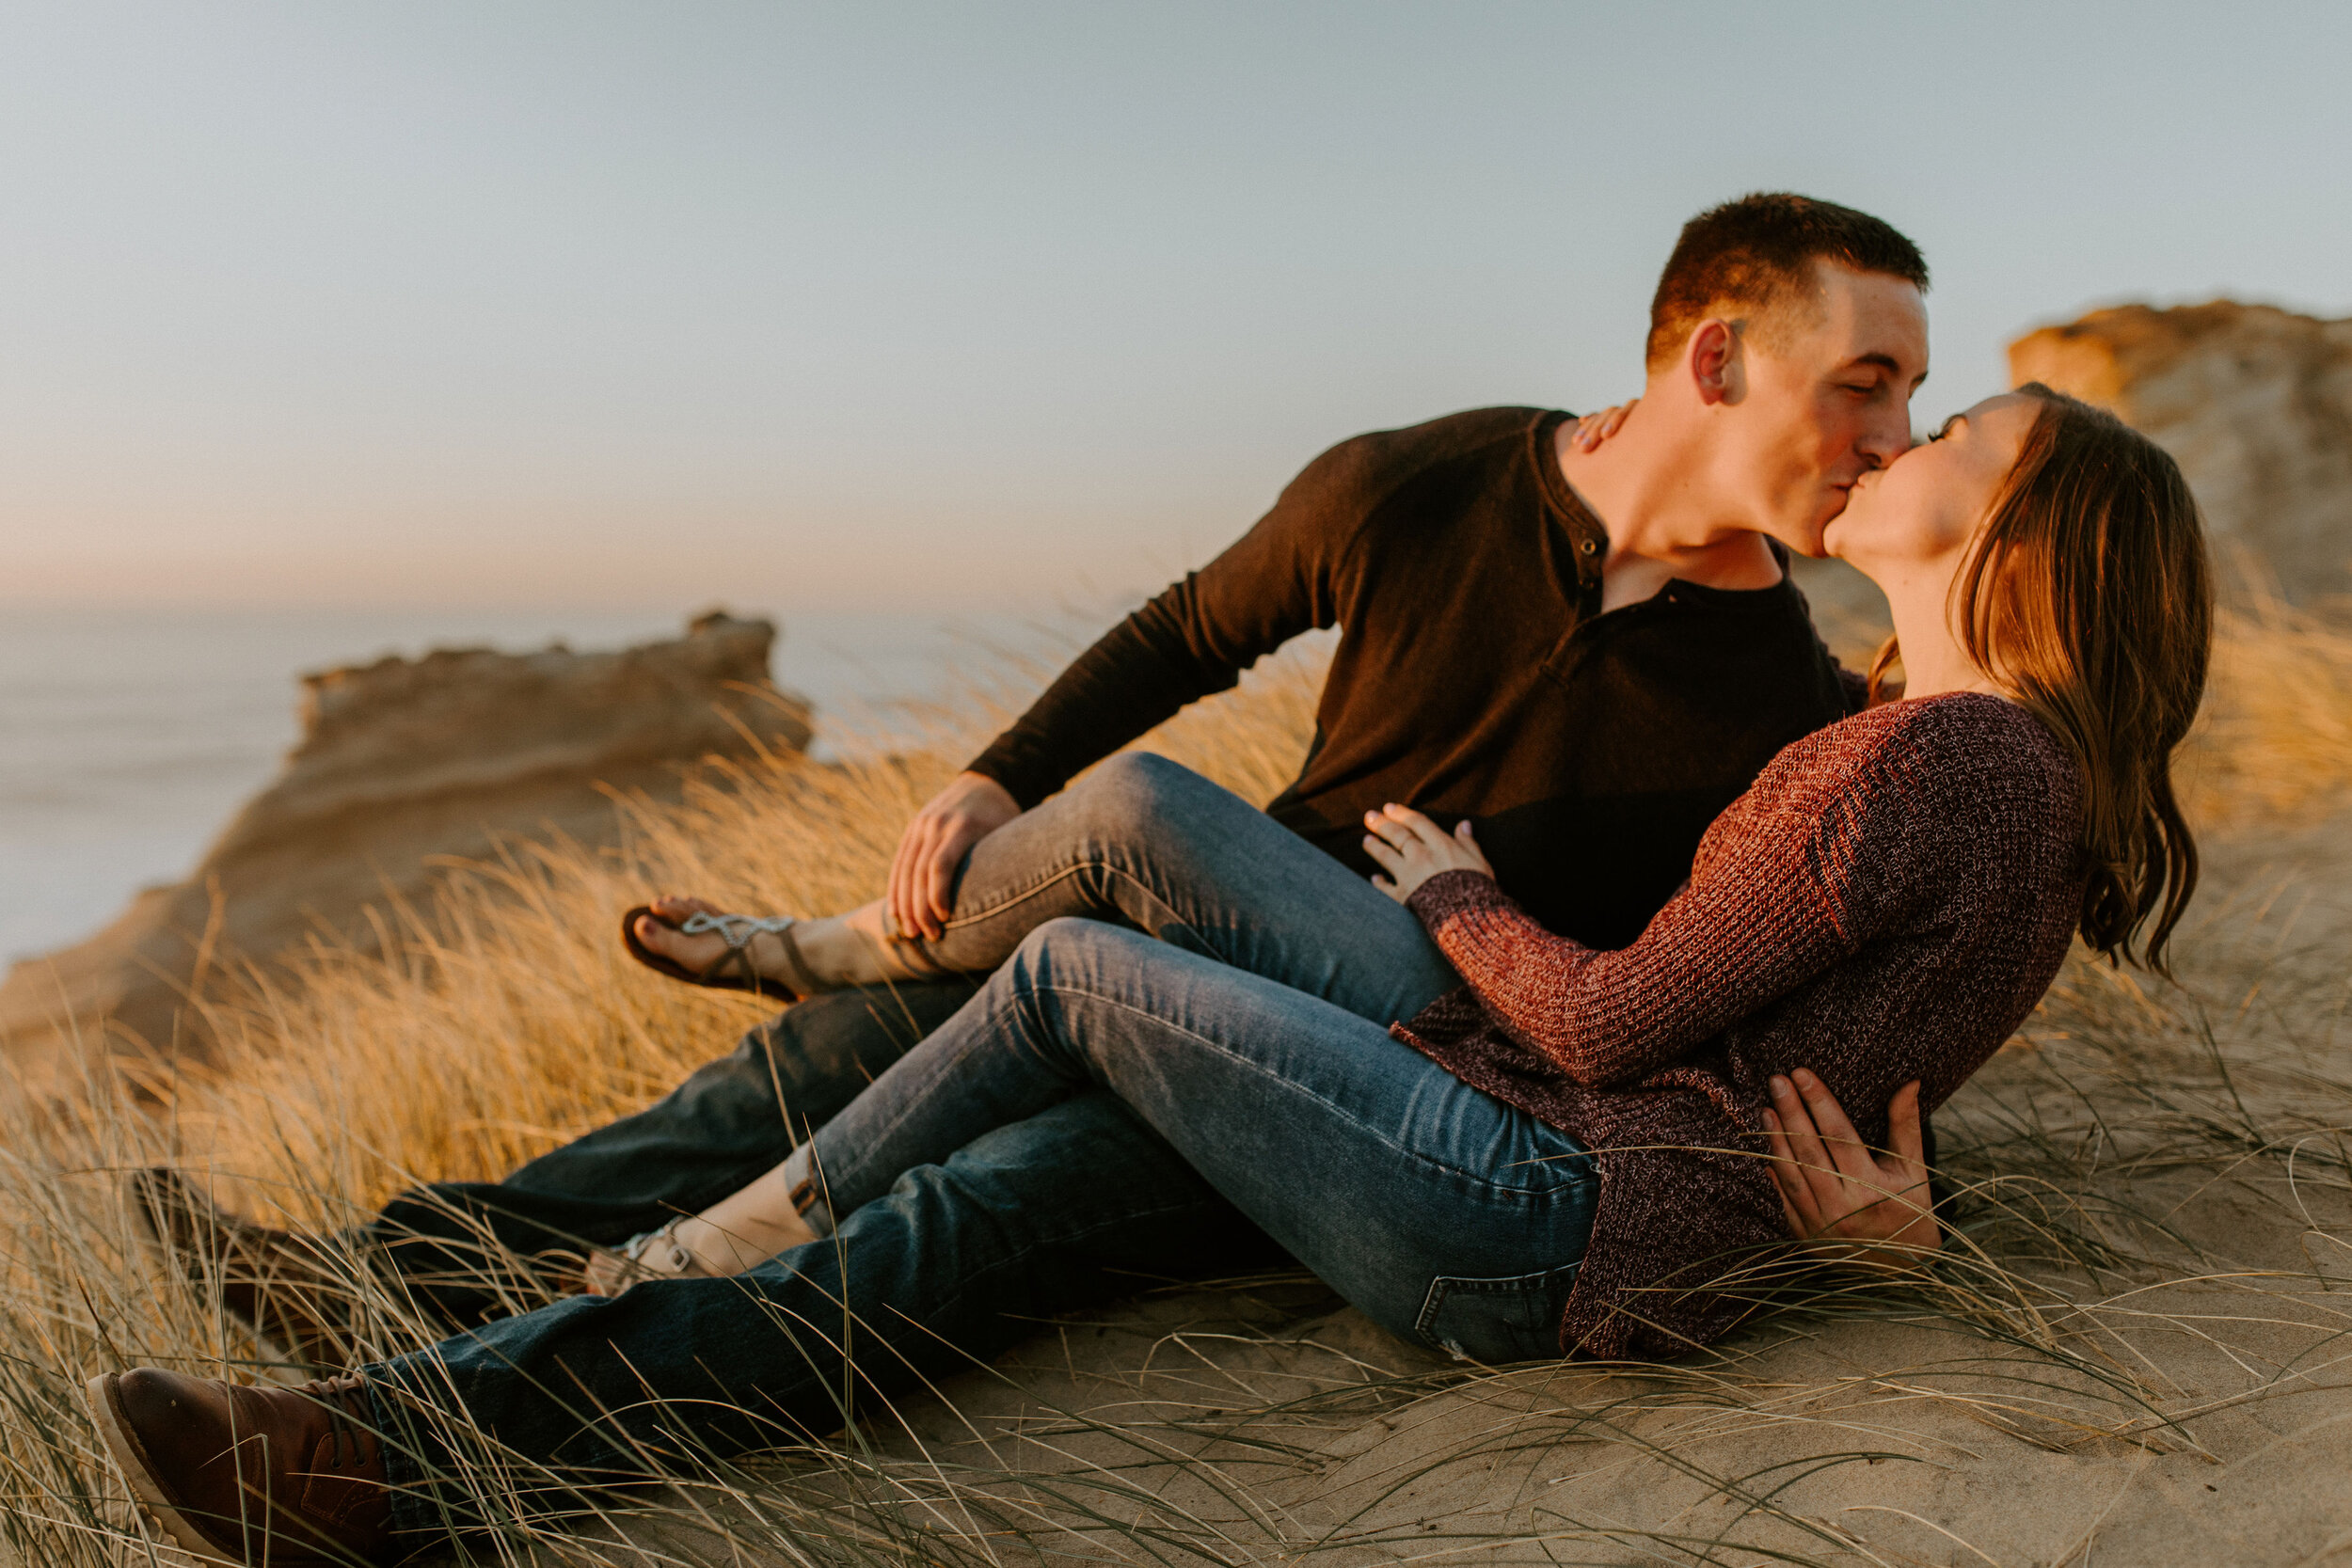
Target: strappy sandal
651,1254
731,970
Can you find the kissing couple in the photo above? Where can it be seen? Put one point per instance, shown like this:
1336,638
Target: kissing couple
1613,942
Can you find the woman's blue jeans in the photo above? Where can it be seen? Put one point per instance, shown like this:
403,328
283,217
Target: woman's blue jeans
1109,1105
1441,1213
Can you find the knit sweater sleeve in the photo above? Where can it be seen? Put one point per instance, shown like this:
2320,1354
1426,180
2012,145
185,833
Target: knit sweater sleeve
1789,882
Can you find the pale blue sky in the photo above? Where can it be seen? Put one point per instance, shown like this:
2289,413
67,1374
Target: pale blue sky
848,306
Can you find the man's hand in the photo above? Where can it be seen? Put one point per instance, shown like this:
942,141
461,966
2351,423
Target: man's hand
1835,1190
942,833
1411,848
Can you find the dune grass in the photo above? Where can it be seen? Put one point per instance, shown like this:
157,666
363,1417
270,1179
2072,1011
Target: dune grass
2128,1167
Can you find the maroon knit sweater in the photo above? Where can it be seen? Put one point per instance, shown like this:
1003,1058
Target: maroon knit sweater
1887,902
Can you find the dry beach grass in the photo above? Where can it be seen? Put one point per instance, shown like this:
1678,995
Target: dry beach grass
2134,1350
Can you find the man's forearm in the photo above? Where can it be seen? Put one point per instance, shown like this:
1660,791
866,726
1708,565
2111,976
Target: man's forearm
1137,675
1194,637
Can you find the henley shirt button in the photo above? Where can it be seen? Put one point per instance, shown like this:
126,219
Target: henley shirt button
1592,547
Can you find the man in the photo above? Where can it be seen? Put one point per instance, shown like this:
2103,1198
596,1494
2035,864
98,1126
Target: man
1590,651
1474,562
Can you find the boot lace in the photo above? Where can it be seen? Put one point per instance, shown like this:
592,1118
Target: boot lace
345,1399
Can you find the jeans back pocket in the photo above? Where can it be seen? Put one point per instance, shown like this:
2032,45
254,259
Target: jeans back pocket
1515,1318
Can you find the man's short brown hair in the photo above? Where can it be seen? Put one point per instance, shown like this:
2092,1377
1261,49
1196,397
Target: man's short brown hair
1753,255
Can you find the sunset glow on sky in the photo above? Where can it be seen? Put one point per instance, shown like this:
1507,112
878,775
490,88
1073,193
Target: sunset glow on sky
894,307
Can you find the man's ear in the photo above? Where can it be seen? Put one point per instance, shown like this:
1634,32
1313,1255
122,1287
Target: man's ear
1712,357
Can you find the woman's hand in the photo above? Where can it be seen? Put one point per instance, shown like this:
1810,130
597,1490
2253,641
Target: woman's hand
1835,1190
1411,848
1593,429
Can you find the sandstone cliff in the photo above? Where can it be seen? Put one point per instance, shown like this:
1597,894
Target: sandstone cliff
402,760
2255,404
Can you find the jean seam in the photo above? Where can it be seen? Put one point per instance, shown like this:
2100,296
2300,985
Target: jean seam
1084,863
1415,1155
907,1106
1503,1284
1432,1302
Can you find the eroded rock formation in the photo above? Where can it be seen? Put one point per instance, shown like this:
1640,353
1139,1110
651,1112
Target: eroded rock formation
401,760
2256,404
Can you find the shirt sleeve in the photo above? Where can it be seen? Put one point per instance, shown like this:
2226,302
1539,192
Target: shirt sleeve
1195,638
1788,890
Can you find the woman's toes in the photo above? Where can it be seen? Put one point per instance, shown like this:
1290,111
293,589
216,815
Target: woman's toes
675,946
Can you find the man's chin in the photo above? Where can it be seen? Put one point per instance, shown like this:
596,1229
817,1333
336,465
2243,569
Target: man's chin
1811,539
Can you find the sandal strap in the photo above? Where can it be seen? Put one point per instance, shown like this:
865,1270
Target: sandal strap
804,983
679,1260
736,929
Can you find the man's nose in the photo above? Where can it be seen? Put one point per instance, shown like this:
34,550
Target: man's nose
1887,438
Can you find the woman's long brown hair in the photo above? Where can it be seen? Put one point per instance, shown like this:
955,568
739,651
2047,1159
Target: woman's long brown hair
2089,599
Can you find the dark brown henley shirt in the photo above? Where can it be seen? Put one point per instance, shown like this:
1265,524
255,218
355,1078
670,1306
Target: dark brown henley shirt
1475,675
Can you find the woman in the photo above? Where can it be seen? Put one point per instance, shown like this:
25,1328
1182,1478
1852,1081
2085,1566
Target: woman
1569,1148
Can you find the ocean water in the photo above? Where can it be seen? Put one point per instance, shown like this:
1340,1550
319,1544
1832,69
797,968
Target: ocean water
127,738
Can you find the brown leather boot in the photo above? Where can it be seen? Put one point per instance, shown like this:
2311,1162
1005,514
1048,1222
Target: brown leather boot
289,1477
281,1287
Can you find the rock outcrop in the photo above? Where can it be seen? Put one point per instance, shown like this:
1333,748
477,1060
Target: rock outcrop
399,761
2256,404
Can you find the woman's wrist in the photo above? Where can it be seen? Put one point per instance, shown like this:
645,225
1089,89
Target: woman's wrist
1451,891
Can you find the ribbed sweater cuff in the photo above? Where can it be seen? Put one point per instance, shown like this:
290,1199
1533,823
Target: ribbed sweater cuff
1451,893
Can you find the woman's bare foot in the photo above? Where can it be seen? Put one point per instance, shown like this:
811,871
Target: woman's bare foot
852,949
739,1231
611,1271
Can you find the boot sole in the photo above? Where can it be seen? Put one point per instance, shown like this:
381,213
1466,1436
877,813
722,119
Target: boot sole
130,1458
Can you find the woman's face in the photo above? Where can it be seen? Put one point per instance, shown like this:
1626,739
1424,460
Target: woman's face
1921,510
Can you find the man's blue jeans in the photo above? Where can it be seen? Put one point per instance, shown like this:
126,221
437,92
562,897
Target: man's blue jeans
1108,1104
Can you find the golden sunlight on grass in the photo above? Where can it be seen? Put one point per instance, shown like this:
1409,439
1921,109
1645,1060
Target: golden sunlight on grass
2277,736
509,1018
